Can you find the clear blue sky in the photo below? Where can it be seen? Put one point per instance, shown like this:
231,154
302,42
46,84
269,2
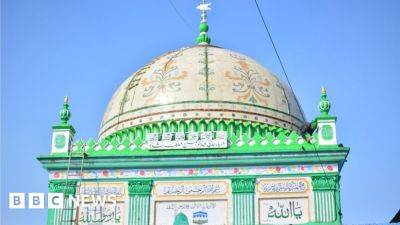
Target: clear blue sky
85,49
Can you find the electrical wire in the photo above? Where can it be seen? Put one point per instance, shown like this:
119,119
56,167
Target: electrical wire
273,45
287,77
181,17
280,61
322,166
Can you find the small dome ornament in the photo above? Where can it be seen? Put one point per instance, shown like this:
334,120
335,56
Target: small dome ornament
324,104
65,114
203,38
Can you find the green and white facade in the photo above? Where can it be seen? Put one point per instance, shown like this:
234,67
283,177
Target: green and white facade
202,135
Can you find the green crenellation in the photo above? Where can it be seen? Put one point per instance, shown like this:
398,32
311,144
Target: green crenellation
240,136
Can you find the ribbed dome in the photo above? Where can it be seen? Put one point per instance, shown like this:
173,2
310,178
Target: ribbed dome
202,82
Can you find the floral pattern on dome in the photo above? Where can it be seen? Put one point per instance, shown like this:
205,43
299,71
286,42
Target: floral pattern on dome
250,85
162,82
202,82
206,71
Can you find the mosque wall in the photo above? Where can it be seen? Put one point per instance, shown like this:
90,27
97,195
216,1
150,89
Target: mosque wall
223,200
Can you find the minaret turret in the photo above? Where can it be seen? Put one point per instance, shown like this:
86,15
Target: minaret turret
326,124
63,132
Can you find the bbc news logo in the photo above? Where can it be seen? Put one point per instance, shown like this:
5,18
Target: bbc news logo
56,200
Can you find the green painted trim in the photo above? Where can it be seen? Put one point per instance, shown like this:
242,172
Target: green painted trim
68,215
206,71
217,153
322,118
324,202
237,129
53,163
243,185
140,187
61,186
324,183
338,202
64,127
327,198
55,215
243,137
196,153
50,216
243,209
139,210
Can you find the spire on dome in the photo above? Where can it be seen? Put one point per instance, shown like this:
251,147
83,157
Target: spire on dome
324,104
65,114
203,38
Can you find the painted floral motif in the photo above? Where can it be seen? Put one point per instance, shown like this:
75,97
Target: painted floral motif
206,70
193,172
206,87
250,85
163,81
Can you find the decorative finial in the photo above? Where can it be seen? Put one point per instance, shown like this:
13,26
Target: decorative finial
65,114
203,38
324,104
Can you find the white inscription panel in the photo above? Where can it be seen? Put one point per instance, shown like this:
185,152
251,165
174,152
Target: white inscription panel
192,140
283,186
197,188
102,189
192,212
284,211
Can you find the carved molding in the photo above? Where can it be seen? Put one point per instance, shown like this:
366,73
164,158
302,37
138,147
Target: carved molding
243,185
61,187
325,182
140,187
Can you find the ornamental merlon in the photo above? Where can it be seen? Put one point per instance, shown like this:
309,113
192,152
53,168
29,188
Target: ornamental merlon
233,135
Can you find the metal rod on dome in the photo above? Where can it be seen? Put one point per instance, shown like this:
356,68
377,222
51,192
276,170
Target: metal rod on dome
203,38
204,7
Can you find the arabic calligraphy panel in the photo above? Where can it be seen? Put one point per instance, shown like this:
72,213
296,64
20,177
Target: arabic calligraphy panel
195,140
105,215
278,186
102,189
284,211
192,189
192,212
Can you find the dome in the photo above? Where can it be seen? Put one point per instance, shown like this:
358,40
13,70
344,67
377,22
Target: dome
202,82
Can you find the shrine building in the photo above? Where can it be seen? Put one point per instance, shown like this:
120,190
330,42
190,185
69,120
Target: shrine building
201,135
